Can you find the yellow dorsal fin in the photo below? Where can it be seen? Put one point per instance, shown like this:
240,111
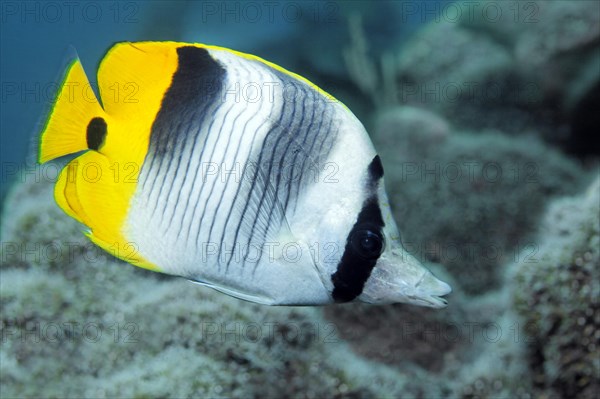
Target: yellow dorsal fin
135,76
132,80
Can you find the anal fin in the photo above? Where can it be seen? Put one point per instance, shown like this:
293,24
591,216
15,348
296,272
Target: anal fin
90,191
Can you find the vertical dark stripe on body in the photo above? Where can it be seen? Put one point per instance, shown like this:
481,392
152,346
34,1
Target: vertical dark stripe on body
188,173
196,84
308,152
237,192
220,165
277,169
198,117
353,270
201,148
277,132
251,188
291,132
300,147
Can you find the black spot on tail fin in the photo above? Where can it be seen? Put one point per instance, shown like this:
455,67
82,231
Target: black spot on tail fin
96,133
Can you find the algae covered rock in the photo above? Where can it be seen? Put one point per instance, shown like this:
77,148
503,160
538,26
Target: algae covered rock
79,323
76,322
519,67
472,349
467,201
406,336
467,77
443,59
497,368
557,294
556,55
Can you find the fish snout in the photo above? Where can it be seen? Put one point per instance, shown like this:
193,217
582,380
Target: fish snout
403,279
429,291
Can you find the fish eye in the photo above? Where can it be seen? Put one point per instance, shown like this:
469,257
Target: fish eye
368,243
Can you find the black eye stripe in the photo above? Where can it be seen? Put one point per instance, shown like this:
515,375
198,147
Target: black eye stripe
353,269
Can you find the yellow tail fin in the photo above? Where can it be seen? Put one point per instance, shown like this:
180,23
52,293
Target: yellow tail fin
66,129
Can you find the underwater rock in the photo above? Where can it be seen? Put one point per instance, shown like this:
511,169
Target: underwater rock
460,74
471,349
467,201
82,324
444,54
469,78
529,67
497,367
541,29
555,45
404,336
557,294
432,128
552,30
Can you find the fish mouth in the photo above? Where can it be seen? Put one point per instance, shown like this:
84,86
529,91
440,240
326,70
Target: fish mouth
429,292
431,301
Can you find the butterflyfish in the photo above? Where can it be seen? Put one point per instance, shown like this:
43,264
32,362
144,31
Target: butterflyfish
228,170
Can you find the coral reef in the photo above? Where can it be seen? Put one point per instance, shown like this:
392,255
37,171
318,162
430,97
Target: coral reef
482,193
472,349
516,67
72,313
406,336
459,74
557,293
555,49
83,324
